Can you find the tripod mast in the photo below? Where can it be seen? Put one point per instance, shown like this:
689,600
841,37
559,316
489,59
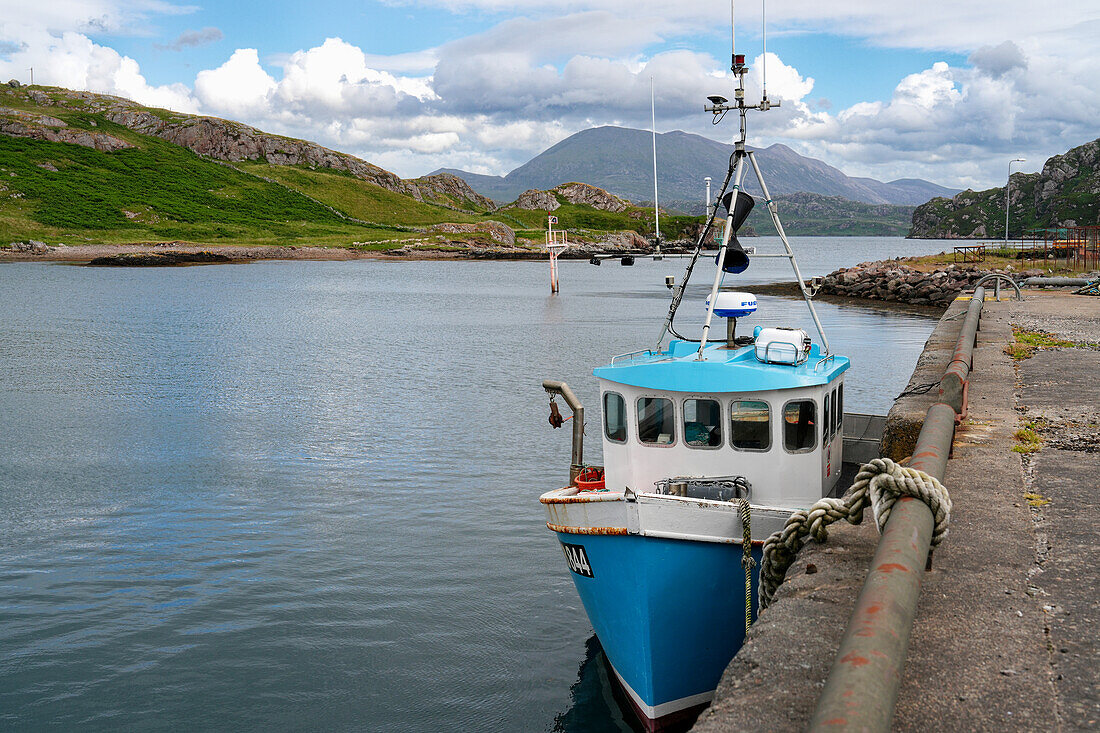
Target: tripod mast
719,106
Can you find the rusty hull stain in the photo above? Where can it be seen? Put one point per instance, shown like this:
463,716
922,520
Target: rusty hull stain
586,530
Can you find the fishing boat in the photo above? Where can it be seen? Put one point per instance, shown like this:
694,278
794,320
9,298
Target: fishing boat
708,446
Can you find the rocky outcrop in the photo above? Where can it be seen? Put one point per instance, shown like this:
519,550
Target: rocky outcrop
1065,193
33,247
969,215
162,259
892,281
625,241
574,193
497,233
447,189
17,123
535,200
232,141
584,194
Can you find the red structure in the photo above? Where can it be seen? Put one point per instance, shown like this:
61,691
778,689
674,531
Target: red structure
1078,248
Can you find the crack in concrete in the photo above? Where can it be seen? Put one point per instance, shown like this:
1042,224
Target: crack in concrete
1043,549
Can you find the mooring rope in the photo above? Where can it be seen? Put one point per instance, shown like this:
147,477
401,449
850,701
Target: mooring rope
880,483
747,562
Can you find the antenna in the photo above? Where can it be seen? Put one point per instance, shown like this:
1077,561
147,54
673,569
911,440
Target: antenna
764,56
733,34
656,209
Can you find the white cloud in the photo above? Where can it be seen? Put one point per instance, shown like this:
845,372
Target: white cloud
72,60
490,101
240,87
336,72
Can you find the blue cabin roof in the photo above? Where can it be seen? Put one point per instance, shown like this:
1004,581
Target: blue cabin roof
721,370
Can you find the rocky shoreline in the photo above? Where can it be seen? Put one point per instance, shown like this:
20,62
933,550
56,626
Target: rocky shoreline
447,242
888,282
894,282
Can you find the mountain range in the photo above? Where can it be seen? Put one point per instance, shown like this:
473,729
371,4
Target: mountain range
619,159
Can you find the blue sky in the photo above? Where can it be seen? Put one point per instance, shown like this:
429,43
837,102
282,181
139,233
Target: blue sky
884,88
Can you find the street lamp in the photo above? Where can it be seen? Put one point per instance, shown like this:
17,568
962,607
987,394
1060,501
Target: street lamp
706,209
1008,194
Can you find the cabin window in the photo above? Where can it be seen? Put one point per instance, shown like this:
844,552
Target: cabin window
799,426
656,420
826,426
839,408
750,425
702,423
614,417
836,416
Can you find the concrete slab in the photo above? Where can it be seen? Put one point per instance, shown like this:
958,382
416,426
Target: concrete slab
1072,317
1067,579
774,681
1061,384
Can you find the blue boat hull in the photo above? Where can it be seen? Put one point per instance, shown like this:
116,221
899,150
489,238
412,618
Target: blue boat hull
670,614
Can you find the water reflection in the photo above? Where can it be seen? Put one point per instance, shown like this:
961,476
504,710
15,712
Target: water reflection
594,707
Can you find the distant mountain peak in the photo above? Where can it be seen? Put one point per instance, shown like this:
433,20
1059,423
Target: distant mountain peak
619,160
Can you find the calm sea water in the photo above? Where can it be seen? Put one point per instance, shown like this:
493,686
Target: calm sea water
303,495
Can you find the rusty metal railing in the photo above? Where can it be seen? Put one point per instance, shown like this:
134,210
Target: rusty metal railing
862,687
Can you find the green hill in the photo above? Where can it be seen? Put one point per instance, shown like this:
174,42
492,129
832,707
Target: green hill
358,198
811,214
1065,193
80,168
150,190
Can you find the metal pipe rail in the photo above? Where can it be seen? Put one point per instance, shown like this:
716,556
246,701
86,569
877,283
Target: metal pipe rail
1056,281
997,279
862,687
952,390
553,387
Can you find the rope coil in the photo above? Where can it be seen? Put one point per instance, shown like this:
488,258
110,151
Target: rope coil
879,483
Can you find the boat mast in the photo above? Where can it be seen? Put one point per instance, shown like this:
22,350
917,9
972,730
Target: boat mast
719,107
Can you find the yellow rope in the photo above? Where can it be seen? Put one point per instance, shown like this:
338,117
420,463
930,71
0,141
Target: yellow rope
746,556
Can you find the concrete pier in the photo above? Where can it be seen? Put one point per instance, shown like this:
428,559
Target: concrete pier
1006,631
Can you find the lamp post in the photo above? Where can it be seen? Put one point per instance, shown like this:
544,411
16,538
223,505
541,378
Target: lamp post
1008,194
706,209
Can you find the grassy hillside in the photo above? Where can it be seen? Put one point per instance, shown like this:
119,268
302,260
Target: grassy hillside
157,191
357,198
581,218
154,191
